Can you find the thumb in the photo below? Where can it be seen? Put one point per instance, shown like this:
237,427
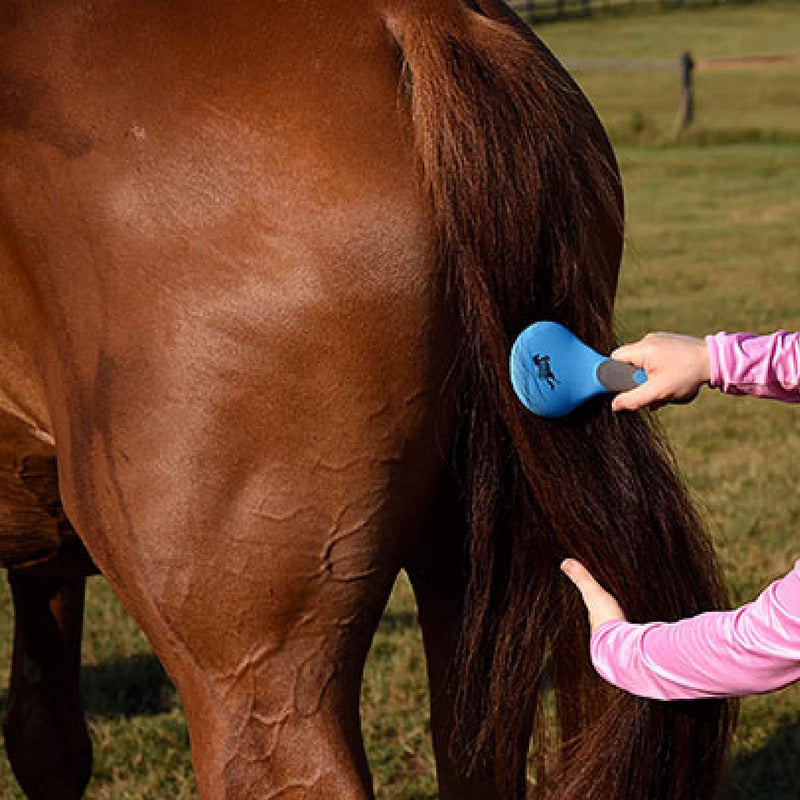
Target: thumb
601,605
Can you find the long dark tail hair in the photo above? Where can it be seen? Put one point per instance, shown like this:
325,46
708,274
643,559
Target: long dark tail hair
528,212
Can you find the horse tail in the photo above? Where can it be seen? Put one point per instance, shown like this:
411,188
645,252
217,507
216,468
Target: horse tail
527,204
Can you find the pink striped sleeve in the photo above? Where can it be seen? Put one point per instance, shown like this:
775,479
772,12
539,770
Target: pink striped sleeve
749,650
765,366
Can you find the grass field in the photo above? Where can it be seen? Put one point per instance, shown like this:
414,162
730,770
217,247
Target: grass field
713,243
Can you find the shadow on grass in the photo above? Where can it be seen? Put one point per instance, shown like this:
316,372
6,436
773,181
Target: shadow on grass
128,687
136,686
769,773
393,621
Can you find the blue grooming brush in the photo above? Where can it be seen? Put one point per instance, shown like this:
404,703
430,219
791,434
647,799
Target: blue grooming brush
553,371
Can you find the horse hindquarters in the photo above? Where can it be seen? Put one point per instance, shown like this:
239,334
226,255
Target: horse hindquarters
245,394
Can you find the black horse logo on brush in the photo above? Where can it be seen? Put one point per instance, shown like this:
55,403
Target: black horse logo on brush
544,371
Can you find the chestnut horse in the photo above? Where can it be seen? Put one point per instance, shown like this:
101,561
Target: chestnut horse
260,266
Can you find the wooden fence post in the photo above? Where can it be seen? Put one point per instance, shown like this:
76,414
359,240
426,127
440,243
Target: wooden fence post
687,90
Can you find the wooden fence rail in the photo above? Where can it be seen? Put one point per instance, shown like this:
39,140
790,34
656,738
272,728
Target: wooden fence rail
686,65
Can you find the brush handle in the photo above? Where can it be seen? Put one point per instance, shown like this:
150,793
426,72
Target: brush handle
617,376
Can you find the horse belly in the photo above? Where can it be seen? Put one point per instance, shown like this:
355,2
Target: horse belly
31,523
28,531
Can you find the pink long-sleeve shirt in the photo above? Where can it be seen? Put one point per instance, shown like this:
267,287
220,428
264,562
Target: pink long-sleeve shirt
752,649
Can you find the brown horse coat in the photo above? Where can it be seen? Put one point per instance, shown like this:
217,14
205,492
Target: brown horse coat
260,263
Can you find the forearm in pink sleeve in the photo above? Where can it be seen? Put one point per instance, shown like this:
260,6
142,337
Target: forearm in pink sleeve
749,650
766,366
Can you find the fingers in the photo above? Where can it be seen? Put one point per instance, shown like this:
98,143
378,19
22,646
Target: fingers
600,604
641,397
642,352
676,366
580,576
648,393
631,353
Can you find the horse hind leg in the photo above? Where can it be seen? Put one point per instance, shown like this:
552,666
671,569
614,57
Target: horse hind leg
272,699
45,731
44,728
265,635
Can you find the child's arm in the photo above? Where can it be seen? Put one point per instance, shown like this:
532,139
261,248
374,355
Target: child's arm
740,363
766,366
749,650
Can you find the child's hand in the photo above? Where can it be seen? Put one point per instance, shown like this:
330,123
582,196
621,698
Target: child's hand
676,367
601,605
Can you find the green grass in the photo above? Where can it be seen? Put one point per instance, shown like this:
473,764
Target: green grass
713,243
754,29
